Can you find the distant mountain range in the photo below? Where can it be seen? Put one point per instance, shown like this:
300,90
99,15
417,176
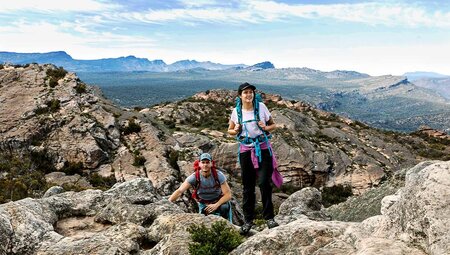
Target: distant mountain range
121,64
389,102
413,76
437,82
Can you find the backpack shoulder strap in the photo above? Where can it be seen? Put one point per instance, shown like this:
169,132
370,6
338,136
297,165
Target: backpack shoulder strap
214,173
256,102
239,109
197,175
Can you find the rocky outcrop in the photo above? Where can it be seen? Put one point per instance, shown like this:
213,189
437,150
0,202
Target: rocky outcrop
88,222
50,112
54,113
433,132
133,218
306,202
419,212
414,221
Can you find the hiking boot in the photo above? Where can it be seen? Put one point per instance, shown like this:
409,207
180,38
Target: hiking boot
246,228
271,223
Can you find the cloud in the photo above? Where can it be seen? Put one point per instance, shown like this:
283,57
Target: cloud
257,11
44,37
190,16
197,3
55,6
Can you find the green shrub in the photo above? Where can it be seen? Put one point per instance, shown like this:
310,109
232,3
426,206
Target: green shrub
54,105
53,82
71,168
57,73
173,158
101,182
41,110
139,160
72,187
54,75
169,123
132,127
80,88
335,194
219,239
287,189
20,178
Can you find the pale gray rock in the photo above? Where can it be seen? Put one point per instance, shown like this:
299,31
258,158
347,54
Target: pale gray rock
60,178
192,140
53,191
170,232
31,222
6,232
119,239
306,202
421,214
302,236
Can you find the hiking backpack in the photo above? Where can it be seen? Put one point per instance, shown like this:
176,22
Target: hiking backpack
256,100
197,178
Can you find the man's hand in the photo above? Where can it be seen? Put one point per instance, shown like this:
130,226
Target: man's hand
211,208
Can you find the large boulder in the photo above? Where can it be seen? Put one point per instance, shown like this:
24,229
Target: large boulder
306,202
420,212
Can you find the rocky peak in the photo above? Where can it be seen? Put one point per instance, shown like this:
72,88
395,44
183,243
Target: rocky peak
46,107
55,122
432,132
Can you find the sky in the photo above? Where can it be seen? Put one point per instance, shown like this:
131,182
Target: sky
373,37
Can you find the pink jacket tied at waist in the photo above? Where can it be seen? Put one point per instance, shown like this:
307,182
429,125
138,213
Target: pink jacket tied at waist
277,178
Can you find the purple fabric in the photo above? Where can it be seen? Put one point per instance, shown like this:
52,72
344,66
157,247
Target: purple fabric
277,178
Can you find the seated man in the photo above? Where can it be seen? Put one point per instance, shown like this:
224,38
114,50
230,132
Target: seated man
211,189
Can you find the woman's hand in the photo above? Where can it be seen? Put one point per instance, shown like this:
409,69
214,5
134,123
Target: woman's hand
262,125
237,127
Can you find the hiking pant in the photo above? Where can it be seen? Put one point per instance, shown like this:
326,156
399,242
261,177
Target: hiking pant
249,178
223,210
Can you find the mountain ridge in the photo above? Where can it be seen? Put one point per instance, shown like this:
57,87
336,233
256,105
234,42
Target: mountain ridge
124,63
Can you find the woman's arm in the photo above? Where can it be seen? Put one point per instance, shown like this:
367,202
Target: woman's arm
233,128
270,125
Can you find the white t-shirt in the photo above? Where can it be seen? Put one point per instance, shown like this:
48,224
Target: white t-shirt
251,127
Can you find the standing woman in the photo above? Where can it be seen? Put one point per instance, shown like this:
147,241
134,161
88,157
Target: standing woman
250,122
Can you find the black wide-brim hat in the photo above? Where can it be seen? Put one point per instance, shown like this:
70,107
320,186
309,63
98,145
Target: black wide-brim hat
245,86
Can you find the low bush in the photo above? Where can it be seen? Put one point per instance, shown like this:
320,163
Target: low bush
101,182
54,75
21,177
219,239
71,168
139,160
335,194
80,88
132,127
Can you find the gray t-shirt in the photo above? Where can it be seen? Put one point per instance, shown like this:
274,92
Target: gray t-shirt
207,190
